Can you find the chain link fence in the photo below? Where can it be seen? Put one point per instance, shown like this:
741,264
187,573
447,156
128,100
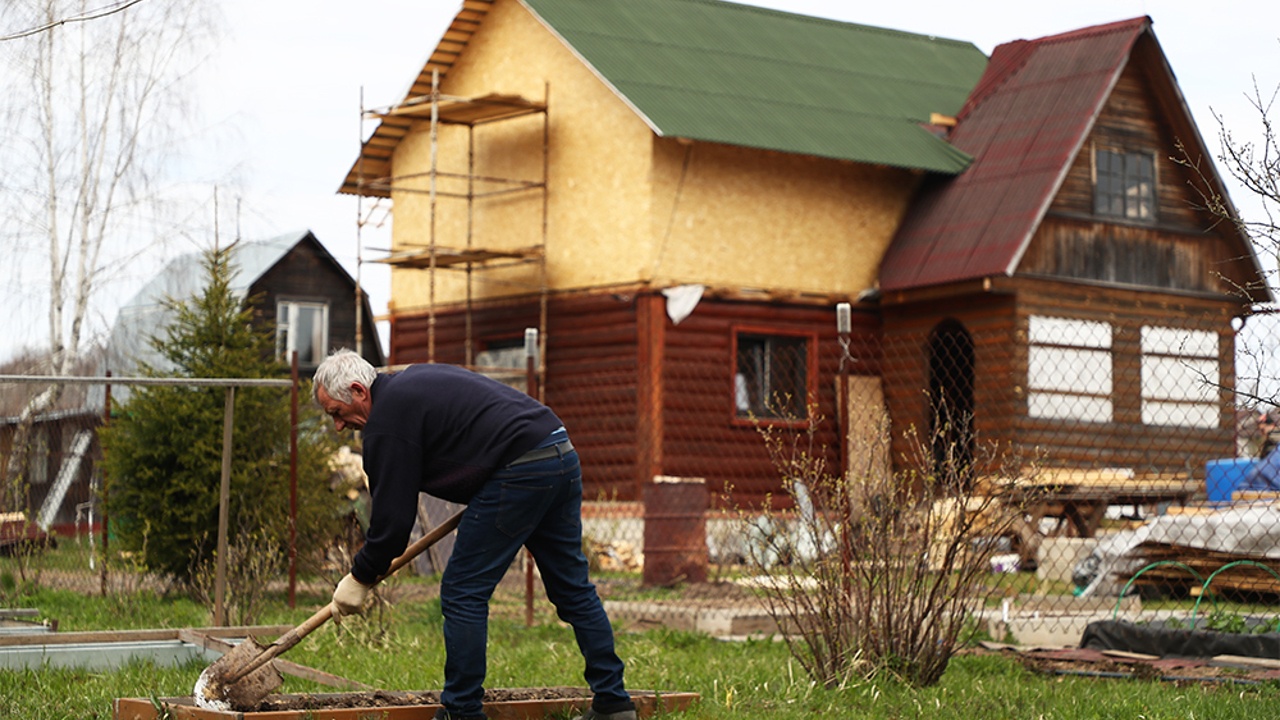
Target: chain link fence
1134,469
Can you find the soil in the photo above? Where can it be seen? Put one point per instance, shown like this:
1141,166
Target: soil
382,698
1096,664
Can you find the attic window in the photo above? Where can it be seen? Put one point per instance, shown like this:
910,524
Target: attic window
304,327
1124,185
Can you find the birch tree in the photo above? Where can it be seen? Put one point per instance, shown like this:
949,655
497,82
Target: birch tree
96,98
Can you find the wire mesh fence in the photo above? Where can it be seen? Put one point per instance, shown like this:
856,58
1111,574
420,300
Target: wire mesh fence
1132,466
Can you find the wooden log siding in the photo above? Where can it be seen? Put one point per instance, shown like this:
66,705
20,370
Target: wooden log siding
998,326
989,321
1127,441
701,437
591,382
596,370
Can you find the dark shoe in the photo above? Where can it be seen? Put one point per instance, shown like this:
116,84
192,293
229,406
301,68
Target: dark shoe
442,714
592,714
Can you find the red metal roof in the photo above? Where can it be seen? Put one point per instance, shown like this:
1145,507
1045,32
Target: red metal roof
1024,123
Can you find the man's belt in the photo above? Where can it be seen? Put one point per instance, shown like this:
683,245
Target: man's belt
543,453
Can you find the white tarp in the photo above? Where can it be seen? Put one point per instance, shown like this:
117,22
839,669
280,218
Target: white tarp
1245,530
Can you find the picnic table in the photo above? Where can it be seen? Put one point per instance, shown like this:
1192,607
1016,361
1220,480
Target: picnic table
1079,498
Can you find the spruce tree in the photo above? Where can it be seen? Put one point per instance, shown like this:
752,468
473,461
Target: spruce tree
164,446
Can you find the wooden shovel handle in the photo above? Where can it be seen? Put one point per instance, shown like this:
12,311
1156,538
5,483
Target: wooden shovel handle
294,636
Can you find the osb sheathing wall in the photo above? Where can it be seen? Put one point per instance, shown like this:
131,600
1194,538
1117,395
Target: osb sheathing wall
625,205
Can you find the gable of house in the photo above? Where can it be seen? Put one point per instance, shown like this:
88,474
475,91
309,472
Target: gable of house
1035,124
260,268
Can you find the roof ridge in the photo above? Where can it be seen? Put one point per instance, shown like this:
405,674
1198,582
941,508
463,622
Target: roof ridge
782,61
739,6
1103,29
1008,58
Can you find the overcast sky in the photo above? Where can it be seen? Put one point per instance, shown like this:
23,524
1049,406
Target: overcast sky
279,101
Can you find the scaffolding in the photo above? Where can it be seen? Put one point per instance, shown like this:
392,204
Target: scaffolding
373,178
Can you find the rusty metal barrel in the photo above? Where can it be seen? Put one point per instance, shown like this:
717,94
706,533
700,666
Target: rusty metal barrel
675,531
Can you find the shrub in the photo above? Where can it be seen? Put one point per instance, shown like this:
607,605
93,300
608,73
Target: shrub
878,571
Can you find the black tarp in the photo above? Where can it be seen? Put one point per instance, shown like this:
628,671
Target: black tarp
1164,642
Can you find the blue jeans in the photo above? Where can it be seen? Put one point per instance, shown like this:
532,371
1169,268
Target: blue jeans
537,505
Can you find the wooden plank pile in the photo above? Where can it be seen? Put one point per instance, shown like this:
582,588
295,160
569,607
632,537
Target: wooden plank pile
1242,578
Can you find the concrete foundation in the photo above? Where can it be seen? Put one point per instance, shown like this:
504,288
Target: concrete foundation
1058,557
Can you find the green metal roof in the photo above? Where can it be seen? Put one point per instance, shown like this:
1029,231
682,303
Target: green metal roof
740,75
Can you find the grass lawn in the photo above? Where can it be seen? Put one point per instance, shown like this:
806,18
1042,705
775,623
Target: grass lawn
400,648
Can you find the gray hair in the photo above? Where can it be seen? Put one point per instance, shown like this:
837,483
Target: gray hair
338,371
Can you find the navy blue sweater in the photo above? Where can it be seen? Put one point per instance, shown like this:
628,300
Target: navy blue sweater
442,430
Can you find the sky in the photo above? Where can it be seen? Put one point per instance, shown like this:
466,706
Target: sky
277,121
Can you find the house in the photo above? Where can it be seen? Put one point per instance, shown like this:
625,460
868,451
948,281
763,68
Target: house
300,288
677,194
60,477
296,285
587,181
1077,232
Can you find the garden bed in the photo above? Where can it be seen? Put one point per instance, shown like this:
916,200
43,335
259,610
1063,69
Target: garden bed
500,704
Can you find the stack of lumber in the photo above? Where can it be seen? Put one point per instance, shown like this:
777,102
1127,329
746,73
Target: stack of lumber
1240,578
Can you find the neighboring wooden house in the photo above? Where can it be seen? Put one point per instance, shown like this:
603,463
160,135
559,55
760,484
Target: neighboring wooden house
678,192
296,282
298,289
597,165
1075,232
59,474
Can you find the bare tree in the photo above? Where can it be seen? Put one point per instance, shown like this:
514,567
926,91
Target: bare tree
95,109
1255,166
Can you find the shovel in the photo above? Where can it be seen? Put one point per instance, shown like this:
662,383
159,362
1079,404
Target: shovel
240,679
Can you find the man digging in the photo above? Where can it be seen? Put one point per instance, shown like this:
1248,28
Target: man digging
467,439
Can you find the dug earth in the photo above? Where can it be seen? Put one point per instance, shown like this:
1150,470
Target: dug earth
382,698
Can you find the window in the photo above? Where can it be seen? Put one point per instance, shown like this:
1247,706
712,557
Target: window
772,376
1124,185
1180,377
38,460
304,327
1069,371
507,353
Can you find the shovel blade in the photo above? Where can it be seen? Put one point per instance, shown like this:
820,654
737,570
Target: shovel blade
215,691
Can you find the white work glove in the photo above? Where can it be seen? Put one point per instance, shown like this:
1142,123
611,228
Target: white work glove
349,596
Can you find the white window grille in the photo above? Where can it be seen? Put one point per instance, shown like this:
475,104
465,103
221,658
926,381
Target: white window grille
1180,377
1069,369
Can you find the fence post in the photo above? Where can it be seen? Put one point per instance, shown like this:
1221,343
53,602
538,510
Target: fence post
293,480
531,385
224,499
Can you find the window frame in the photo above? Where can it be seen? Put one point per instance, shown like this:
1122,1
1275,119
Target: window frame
1046,395
285,338
810,345
1176,391
1123,196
